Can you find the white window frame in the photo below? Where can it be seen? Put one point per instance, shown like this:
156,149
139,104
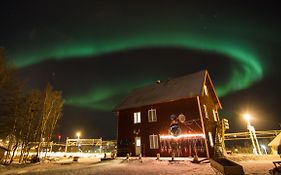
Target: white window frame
152,116
154,141
137,117
215,115
205,111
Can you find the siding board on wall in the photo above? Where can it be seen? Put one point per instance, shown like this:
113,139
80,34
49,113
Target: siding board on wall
126,126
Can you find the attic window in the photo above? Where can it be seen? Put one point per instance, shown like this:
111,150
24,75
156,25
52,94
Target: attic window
206,90
152,115
137,117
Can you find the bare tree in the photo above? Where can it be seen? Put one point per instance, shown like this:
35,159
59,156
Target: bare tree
10,94
30,114
26,116
51,111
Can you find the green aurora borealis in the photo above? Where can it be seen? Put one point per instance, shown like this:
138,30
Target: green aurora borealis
251,69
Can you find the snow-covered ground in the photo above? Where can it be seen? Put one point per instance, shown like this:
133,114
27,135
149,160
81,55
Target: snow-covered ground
251,165
255,164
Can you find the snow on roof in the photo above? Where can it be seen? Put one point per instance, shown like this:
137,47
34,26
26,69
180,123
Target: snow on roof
276,141
182,87
3,147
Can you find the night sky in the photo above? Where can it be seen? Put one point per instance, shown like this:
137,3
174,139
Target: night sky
97,51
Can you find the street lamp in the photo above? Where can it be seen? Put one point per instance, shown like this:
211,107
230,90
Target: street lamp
247,117
78,134
252,132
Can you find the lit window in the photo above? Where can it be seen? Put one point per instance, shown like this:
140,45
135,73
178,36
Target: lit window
153,142
211,139
152,115
206,90
138,141
205,110
137,117
215,115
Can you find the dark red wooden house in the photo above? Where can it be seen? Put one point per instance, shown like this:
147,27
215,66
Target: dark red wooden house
176,116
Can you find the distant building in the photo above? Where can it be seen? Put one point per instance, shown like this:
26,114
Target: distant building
275,143
176,116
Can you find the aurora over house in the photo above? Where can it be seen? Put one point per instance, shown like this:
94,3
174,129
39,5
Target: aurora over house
96,52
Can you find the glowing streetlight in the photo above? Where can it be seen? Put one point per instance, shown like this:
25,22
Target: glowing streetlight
252,132
247,117
78,134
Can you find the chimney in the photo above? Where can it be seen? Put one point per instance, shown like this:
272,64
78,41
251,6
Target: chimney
157,81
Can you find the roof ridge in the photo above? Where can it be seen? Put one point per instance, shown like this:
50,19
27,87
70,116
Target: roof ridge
186,86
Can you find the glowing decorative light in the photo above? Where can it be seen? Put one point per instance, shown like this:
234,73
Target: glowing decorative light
189,136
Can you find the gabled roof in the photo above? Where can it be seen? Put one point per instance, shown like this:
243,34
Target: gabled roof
170,90
276,141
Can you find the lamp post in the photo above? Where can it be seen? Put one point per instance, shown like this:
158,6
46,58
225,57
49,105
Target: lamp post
78,134
252,132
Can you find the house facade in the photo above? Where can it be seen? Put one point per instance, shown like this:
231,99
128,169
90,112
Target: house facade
177,116
275,143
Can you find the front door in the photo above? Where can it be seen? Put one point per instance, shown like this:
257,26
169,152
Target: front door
138,145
